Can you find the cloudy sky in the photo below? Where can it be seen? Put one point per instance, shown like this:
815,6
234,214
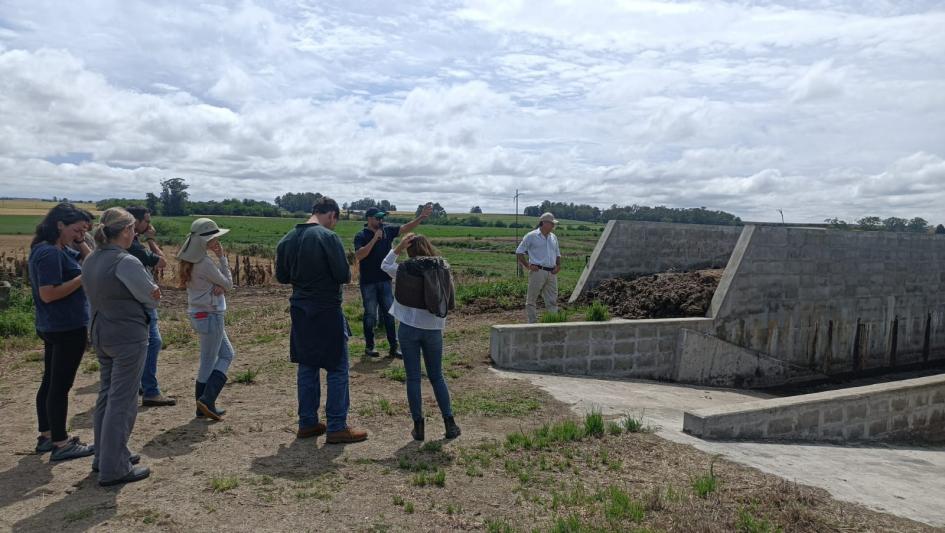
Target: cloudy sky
821,108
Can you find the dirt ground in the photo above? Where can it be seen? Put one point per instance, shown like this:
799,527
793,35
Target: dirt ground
249,472
663,295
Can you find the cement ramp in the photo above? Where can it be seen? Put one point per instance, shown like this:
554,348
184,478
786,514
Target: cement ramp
907,482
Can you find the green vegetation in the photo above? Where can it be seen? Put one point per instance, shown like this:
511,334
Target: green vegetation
246,376
597,312
707,483
748,523
561,315
594,423
18,319
224,483
510,402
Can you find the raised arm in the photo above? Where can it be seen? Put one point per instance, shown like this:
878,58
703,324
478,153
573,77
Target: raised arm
424,214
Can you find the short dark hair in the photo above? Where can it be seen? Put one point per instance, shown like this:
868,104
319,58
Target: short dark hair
48,229
138,211
325,205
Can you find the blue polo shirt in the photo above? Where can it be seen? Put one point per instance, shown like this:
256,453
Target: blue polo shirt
50,265
370,266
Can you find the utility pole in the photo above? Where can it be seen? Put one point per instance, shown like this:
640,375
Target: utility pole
518,266
782,216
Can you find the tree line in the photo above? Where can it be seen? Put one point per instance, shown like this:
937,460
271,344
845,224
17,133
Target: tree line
896,224
589,213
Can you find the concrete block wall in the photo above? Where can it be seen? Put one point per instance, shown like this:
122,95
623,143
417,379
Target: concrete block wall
629,247
902,411
834,302
644,349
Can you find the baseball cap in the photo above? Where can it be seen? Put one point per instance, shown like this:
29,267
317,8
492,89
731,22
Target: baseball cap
375,212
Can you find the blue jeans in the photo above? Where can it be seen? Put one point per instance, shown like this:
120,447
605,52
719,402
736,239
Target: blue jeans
216,352
309,391
149,382
374,295
413,341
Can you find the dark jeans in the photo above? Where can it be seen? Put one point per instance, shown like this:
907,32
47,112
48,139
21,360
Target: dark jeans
149,382
413,341
338,401
375,295
63,353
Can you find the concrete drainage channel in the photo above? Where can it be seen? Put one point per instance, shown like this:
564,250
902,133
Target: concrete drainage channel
794,305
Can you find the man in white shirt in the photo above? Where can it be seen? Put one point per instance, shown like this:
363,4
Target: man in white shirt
539,253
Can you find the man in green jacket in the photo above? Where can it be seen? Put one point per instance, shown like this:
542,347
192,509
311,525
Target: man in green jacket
312,258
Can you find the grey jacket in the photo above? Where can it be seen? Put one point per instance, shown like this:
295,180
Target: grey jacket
119,291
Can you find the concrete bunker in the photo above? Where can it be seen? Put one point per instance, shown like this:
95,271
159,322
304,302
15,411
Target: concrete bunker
793,305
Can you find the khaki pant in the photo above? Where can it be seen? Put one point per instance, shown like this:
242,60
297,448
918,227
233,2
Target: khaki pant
545,283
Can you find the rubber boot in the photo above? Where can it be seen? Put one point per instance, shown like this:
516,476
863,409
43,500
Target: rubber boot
452,430
207,401
417,429
198,392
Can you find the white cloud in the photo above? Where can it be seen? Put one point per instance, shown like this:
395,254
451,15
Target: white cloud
822,109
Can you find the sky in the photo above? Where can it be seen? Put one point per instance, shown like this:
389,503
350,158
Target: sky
822,108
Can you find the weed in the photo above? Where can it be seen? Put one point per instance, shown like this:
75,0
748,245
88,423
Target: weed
398,500
385,406
17,319
90,367
499,525
571,524
614,428
619,506
224,483
408,507
246,377
706,483
508,403
633,424
747,523
439,478
432,446
597,312
594,423
81,514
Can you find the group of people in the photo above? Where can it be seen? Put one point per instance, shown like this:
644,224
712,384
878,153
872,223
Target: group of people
102,289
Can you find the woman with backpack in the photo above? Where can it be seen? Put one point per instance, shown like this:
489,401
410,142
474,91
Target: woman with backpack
206,282
423,295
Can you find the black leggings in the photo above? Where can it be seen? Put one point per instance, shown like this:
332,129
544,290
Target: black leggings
64,351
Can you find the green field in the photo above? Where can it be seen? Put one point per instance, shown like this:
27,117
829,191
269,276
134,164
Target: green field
483,258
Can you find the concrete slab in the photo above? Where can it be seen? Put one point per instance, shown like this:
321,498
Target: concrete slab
907,482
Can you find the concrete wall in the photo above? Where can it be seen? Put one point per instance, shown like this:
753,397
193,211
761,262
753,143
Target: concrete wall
633,248
834,302
911,411
644,349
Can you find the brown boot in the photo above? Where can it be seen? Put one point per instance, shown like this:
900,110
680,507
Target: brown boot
346,435
313,431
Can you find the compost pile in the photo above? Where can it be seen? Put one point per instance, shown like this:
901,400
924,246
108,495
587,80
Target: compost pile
662,295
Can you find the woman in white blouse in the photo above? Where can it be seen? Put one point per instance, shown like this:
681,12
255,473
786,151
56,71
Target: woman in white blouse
206,282
422,297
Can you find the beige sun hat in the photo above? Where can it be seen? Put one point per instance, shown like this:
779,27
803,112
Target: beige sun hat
202,231
547,217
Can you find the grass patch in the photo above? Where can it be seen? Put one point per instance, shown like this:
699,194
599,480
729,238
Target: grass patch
510,291
597,312
384,405
613,428
508,403
748,523
18,319
545,436
247,376
396,373
432,446
561,315
594,423
408,508
620,507
81,514
224,483
499,525
425,477
90,366
633,424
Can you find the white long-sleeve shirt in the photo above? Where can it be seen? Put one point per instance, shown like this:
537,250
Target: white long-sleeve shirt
412,316
204,276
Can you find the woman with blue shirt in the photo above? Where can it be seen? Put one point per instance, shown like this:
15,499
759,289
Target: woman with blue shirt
423,296
62,319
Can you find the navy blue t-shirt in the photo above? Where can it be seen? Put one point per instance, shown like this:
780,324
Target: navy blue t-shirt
50,265
370,266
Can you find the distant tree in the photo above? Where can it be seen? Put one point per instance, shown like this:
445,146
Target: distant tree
174,197
499,224
438,215
298,201
870,223
476,210
473,221
836,223
940,230
152,202
918,225
895,224
533,211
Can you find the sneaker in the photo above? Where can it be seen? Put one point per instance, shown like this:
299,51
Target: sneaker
396,354
135,459
158,401
44,444
346,435
371,352
74,449
313,431
137,474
